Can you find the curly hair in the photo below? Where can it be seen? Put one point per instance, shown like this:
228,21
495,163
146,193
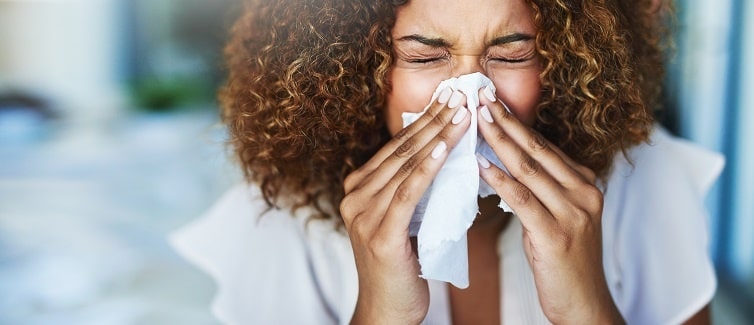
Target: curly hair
307,85
602,77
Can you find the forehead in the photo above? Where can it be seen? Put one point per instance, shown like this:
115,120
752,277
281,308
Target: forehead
464,22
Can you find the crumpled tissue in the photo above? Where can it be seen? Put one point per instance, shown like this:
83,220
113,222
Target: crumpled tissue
449,206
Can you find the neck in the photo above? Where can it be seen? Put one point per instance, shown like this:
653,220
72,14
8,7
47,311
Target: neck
491,220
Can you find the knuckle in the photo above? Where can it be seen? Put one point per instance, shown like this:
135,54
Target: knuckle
500,136
590,193
423,169
582,223
521,194
403,134
594,199
580,218
380,247
588,173
402,194
537,142
358,228
426,118
351,181
438,121
347,209
407,167
498,178
406,148
588,208
529,165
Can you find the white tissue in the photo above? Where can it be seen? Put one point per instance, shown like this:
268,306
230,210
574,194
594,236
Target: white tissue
449,206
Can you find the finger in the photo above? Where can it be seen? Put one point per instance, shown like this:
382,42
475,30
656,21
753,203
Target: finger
381,195
396,170
563,169
354,179
585,172
435,108
414,179
448,125
529,172
533,215
408,191
522,166
355,204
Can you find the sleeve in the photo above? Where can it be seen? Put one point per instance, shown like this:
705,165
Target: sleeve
667,275
259,263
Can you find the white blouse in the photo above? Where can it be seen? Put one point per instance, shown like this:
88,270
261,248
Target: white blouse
280,269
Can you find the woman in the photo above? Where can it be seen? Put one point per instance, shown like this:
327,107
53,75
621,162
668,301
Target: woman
314,102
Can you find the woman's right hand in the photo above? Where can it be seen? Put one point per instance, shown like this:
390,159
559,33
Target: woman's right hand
380,199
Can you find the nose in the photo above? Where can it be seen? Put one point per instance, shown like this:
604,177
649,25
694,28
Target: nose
465,64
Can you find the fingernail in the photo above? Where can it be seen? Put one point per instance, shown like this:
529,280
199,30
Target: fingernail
489,93
482,161
459,116
455,100
485,112
445,95
439,150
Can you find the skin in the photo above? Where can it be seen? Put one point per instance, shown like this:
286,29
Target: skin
502,48
553,196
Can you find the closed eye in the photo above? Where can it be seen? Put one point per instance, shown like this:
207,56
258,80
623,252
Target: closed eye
425,60
510,57
509,60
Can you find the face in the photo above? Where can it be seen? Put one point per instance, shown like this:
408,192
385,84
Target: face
434,40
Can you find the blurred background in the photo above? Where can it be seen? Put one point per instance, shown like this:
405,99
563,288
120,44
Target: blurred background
109,139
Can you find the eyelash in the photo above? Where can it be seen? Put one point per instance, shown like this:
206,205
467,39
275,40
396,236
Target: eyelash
426,60
505,60
511,60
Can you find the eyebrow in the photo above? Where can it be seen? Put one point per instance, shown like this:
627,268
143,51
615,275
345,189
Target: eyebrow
510,38
433,42
439,42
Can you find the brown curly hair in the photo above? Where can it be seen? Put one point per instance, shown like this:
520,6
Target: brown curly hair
307,85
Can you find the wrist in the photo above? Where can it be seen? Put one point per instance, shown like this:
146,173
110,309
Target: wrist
604,312
371,312
598,308
610,315
363,317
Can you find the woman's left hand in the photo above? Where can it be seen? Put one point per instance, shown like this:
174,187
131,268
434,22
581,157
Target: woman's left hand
560,209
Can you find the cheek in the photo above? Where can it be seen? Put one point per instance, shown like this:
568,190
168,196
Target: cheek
411,92
521,92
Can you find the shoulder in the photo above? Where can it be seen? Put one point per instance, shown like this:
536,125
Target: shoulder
225,240
263,260
655,229
664,174
664,177
240,216
671,160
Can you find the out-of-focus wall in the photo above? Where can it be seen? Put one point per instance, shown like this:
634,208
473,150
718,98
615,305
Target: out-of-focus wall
63,51
713,93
